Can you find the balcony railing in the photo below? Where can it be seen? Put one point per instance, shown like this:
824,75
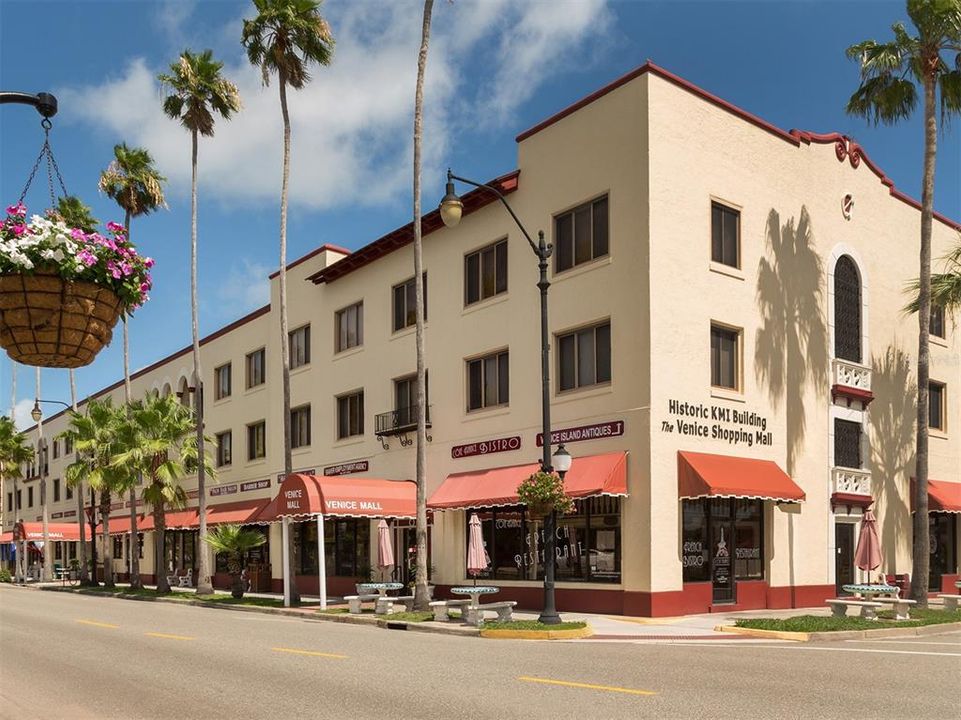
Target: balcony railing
398,422
851,375
850,481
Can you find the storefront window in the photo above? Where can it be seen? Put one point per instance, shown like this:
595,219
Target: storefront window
943,545
255,558
346,547
739,522
587,543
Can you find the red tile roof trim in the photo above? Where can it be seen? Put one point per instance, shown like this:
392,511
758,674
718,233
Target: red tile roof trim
844,146
308,256
404,235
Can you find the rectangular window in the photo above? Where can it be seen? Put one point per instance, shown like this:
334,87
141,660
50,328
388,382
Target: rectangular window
350,415
936,406
405,399
350,327
56,489
725,235
299,347
725,357
222,382
225,442
118,546
937,321
19,500
584,357
69,491
257,440
30,496
488,382
9,502
485,273
67,445
740,522
256,365
56,449
580,235
847,444
405,302
300,426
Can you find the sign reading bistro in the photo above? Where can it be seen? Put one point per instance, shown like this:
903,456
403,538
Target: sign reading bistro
486,447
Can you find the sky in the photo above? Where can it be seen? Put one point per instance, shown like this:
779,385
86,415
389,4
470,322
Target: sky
495,68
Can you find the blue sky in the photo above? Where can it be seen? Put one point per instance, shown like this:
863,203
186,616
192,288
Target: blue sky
496,67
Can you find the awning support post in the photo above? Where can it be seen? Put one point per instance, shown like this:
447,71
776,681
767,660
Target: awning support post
285,525
321,562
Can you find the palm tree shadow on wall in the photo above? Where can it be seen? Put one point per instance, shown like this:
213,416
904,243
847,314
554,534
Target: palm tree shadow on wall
791,345
892,414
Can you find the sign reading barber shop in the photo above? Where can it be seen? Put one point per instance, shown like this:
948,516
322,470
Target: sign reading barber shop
255,485
717,422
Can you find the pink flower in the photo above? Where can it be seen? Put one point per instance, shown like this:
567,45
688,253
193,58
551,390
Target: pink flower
18,210
87,257
77,234
19,230
148,262
113,269
126,268
144,287
115,227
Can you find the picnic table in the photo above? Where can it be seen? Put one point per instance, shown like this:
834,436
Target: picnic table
475,592
381,588
868,591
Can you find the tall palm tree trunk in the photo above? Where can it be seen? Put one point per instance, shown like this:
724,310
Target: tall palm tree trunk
291,569
107,546
46,573
204,586
84,574
160,547
421,595
921,558
20,567
134,545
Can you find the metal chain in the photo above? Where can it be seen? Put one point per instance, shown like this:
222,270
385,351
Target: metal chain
52,166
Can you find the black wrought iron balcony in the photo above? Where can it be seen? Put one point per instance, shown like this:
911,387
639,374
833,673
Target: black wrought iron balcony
398,422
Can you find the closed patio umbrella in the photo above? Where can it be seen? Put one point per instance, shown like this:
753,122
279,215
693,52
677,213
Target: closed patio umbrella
867,556
477,559
385,549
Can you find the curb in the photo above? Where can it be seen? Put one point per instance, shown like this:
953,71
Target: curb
829,636
575,634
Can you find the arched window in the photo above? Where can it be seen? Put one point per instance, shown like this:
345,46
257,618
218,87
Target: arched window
847,310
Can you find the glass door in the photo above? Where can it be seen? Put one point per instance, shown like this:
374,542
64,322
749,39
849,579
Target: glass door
722,540
844,560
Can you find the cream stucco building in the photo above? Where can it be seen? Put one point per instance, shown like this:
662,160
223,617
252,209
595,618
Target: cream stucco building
731,369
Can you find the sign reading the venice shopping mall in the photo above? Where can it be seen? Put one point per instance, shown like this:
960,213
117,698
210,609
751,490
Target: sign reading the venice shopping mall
736,427
612,428
486,447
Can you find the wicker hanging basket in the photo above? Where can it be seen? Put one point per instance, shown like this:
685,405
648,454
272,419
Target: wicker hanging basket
51,322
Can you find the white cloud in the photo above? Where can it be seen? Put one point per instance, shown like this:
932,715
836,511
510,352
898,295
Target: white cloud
351,127
245,288
21,414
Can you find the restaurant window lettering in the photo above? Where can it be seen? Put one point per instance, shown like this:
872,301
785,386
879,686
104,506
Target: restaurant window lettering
740,519
587,543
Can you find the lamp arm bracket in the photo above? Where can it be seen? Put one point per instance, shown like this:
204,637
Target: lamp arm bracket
500,196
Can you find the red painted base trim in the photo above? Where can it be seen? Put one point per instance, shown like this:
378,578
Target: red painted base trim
849,393
948,584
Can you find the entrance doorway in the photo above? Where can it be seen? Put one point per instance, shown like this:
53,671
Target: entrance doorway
942,542
844,559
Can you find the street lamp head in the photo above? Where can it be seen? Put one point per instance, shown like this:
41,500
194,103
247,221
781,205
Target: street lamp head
561,459
451,207
36,413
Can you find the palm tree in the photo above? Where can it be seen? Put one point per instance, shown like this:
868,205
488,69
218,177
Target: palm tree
94,437
945,286
421,593
285,37
84,575
196,91
76,214
890,74
157,441
235,541
14,454
137,187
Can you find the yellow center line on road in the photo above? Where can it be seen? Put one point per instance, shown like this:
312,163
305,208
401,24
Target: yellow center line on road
587,686
98,624
165,636
295,651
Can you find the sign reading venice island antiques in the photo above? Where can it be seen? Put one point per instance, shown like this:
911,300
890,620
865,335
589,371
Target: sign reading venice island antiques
347,468
717,422
611,428
486,447
255,485
223,490
293,498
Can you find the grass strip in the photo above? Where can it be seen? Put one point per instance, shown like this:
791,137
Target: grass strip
415,617
820,623
534,625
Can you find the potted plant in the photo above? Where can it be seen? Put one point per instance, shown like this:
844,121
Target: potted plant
63,288
234,541
543,493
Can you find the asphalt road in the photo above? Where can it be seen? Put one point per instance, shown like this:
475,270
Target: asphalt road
73,656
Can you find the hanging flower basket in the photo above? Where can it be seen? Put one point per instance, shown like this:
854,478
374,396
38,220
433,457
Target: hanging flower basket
544,493
62,290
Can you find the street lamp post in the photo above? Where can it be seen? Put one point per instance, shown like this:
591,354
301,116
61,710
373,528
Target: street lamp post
451,210
43,459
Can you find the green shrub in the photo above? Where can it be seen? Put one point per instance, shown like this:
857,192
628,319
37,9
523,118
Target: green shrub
5,576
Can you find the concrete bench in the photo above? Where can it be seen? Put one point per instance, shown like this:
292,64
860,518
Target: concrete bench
901,606
504,610
354,602
442,608
868,609
950,601
385,605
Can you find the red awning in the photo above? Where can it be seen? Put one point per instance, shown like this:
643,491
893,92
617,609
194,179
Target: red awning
588,476
702,475
120,524
241,512
943,496
312,495
56,532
